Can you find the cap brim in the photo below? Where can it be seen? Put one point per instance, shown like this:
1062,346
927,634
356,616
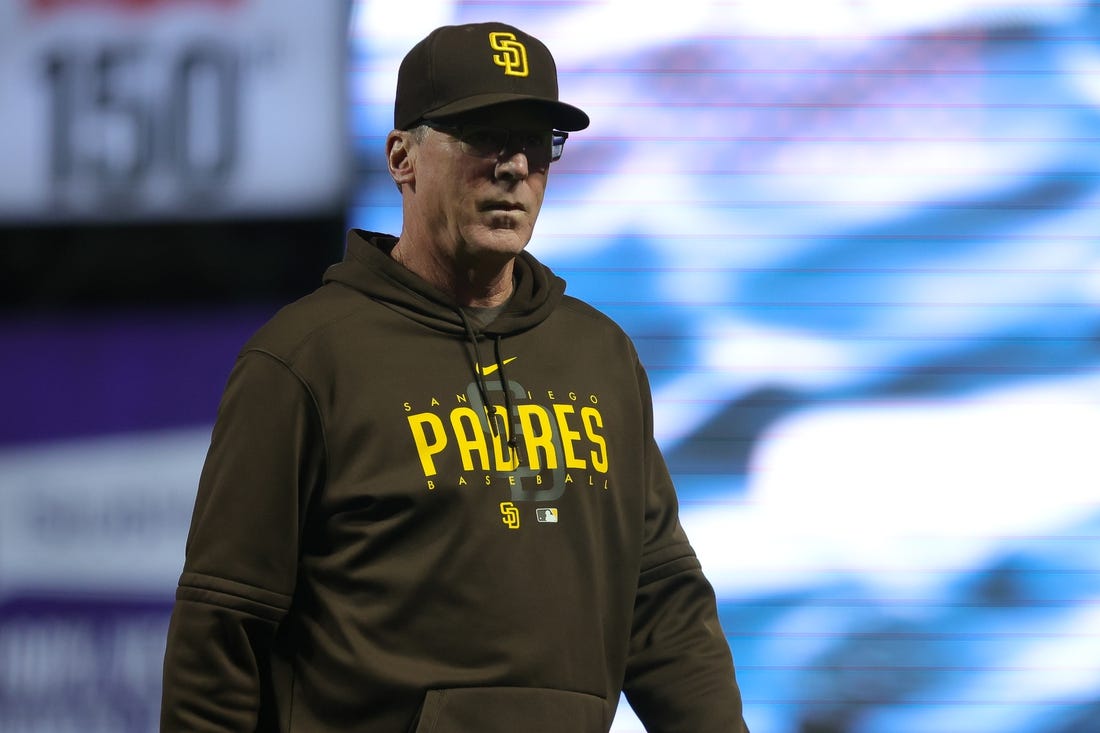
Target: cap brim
562,116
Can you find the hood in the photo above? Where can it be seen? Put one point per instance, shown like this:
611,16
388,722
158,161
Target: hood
368,268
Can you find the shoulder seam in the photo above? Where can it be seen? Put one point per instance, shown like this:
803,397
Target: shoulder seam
302,381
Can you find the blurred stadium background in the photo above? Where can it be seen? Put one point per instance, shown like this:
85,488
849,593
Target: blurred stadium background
856,241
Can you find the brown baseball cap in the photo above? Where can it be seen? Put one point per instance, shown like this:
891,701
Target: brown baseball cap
459,68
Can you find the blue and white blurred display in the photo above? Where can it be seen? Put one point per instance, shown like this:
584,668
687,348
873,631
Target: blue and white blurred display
858,246
857,243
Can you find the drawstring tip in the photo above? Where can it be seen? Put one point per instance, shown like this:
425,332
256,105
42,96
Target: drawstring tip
520,456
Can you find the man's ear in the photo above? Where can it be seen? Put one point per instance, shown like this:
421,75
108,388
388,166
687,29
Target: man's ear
399,144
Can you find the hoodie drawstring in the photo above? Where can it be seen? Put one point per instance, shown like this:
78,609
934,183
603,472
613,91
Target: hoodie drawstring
492,417
512,443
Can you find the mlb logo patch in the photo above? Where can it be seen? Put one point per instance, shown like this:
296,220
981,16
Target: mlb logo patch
546,514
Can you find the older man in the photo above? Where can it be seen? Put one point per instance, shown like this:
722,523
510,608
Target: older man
433,500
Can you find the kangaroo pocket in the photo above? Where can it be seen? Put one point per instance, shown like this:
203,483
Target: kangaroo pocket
512,710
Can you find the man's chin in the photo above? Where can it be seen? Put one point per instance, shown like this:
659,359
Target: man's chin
502,240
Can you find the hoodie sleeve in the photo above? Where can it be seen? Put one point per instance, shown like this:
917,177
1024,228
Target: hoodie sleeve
266,454
680,676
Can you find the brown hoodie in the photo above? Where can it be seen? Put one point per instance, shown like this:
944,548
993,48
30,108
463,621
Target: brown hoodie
370,552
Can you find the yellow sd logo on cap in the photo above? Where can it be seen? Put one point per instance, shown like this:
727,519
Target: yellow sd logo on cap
513,54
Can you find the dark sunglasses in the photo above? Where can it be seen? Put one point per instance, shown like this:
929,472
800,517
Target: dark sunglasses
486,141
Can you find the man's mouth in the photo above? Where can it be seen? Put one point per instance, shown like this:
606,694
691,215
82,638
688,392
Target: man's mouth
502,206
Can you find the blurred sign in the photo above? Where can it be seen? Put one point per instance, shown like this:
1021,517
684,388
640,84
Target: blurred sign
138,109
91,544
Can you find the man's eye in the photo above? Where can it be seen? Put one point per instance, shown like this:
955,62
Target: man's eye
482,139
536,141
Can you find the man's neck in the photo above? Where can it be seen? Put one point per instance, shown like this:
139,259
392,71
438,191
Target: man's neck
474,286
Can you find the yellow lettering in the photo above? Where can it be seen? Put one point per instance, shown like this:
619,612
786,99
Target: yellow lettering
470,438
573,396
593,421
431,485
461,480
462,399
513,54
488,480
509,514
427,447
568,436
435,402
550,393
408,407
593,399
568,478
537,439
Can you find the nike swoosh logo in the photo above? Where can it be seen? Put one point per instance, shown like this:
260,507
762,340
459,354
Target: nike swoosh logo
486,371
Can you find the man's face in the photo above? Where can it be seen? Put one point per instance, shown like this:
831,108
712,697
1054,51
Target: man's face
478,204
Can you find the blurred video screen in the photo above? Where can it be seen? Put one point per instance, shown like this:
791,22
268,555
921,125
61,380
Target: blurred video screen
858,247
